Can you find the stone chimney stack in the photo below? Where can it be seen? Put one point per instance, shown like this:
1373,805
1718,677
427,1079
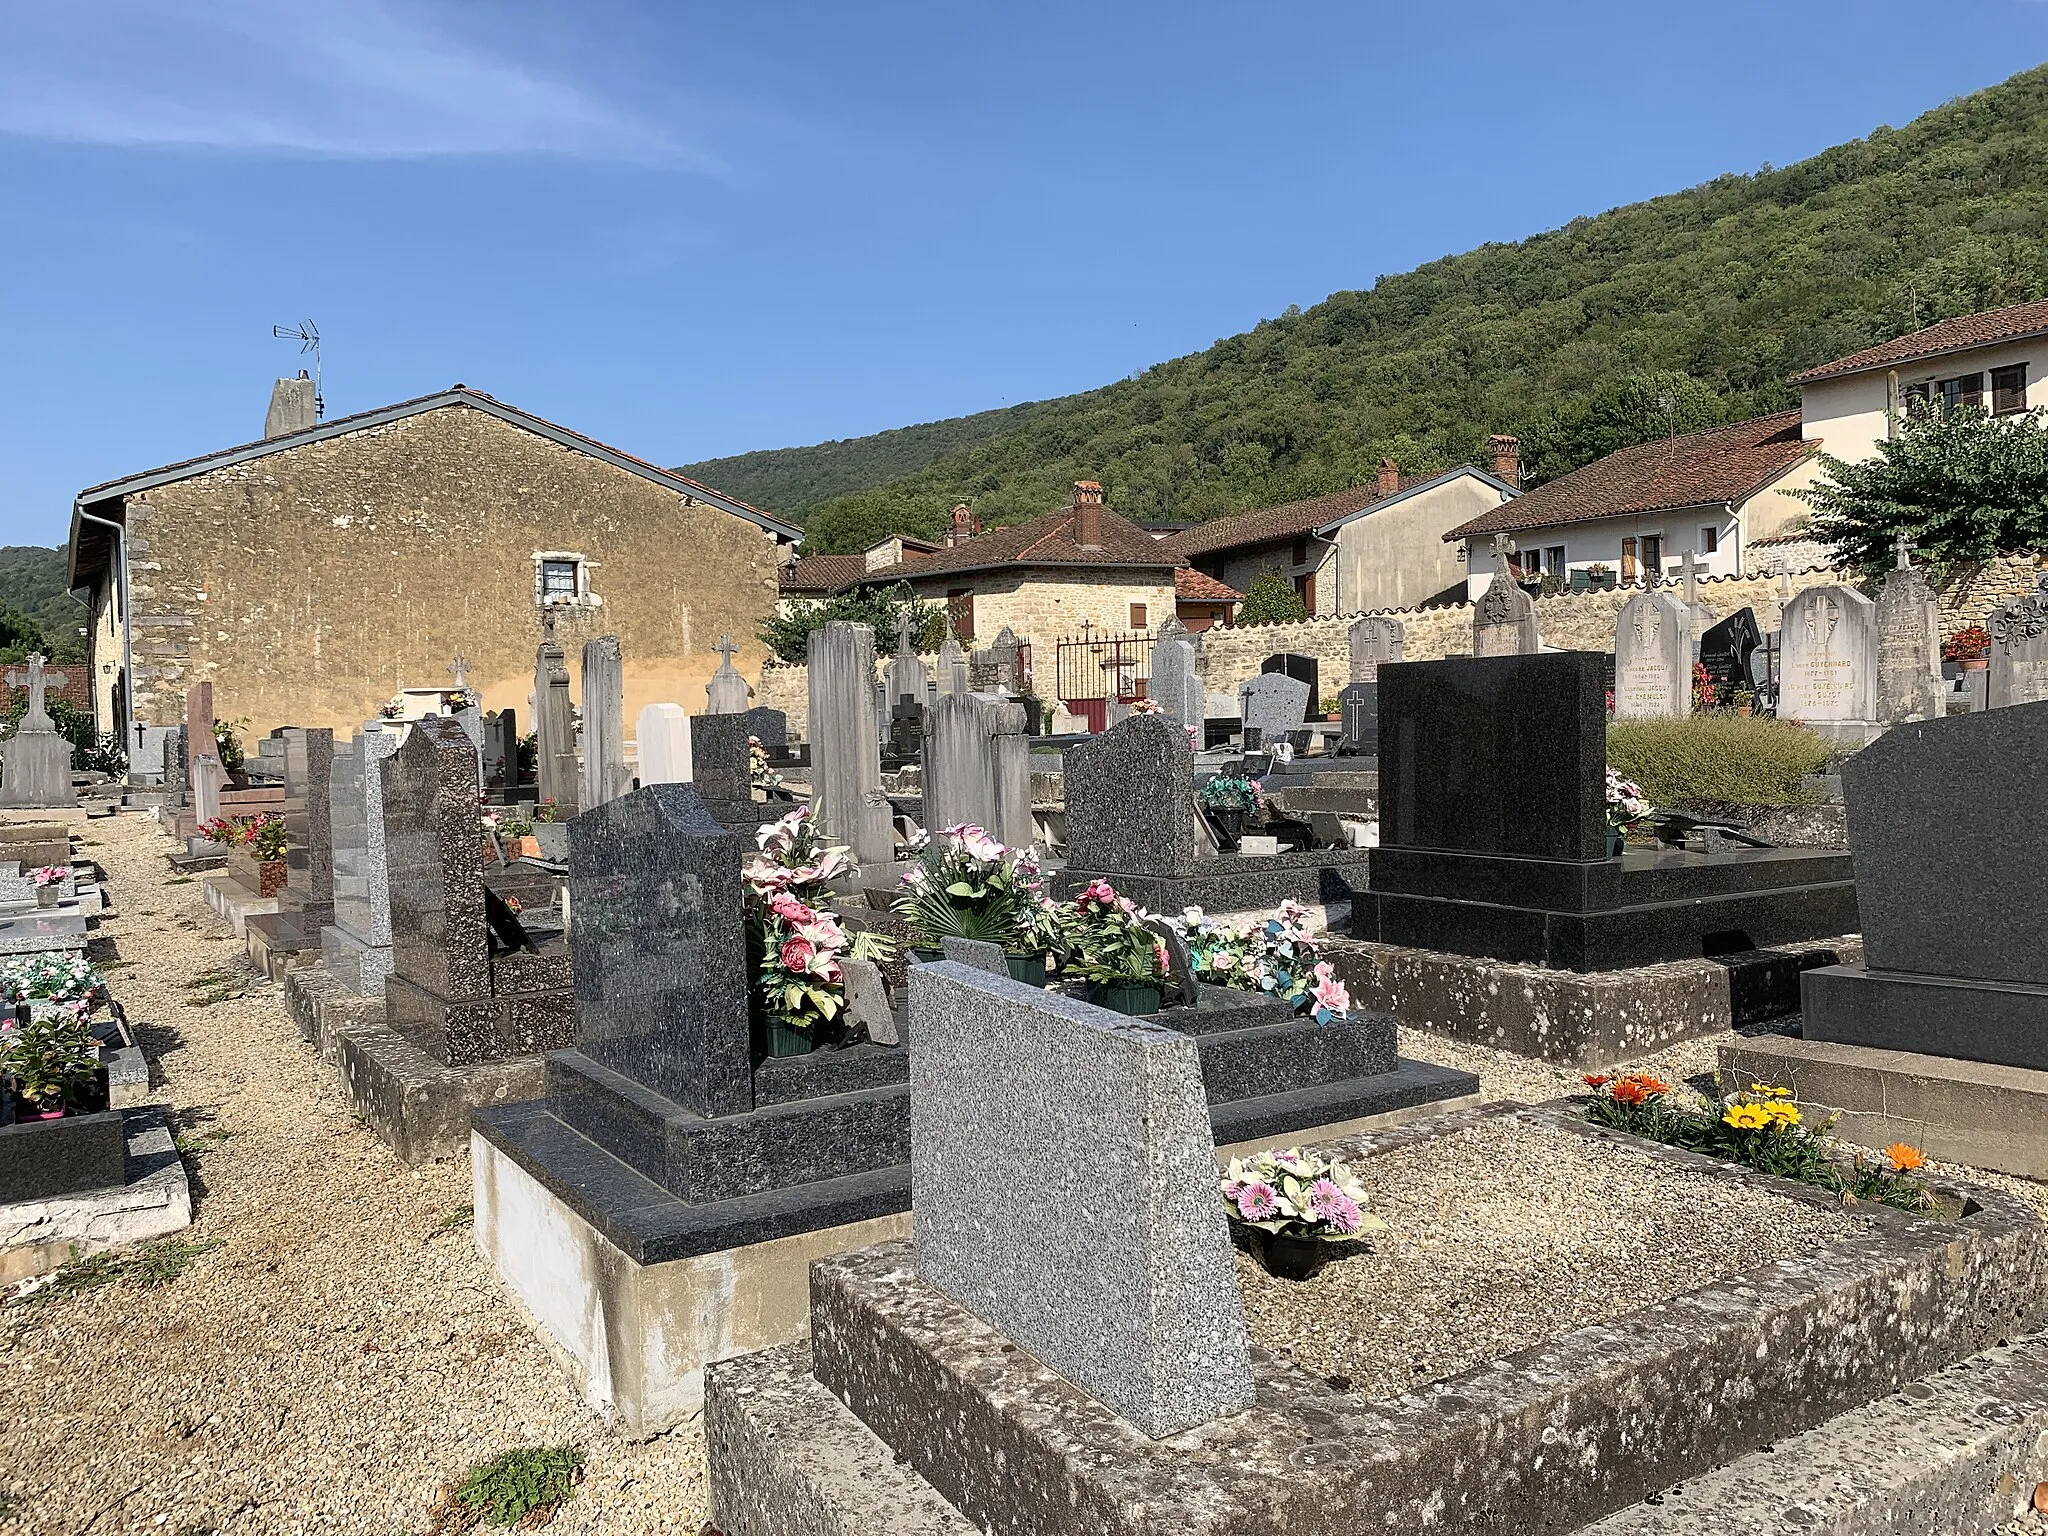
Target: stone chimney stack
291,406
1390,477
1088,513
1504,458
963,526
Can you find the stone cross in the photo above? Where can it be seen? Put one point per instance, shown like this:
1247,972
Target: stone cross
1688,575
727,693
36,719
726,649
460,668
1503,547
1902,551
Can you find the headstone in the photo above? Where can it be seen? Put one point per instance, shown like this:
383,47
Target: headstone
309,825
770,727
663,735
953,665
357,946
604,724
1130,806
177,763
1504,620
721,767
1016,1088
976,954
1652,657
1375,639
1066,723
659,948
146,753
1302,668
1175,683
35,762
501,750
208,779
1273,704
1703,618
1007,654
198,725
1909,685
977,767
727,693
907,677
1827,665
2019,650
1725,651
554,730
846,761
1358,706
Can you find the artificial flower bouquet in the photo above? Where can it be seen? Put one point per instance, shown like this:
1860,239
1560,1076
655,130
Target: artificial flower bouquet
59,982
759,773
1279,957
966,885
50,874
797,945
794,857
1626,802
1970,643
1303,1207
1228,792
52,1062
1108,942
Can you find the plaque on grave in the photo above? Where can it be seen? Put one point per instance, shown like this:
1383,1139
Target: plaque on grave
2019,650
1304,669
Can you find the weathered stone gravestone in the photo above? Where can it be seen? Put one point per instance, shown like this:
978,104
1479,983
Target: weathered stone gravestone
907,676
1176,684
554,730
449,993
1653,652
1117,816
1504,619
1016,1088
1375,639
1909,684
604,723
1725,651
208,780
35,762
977,767
770,727
727,693
175,765
357,946
501,751
198,725
1950,838
1273,704
1000,668
309,832
954,665
663,736
1827,665
846,752
2019,650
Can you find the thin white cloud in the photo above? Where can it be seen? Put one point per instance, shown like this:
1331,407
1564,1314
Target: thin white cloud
359,80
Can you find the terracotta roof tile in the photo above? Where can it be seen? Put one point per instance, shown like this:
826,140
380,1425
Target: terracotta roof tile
821,573
1699,469
1047,540
1964,331
1197,587
1283,522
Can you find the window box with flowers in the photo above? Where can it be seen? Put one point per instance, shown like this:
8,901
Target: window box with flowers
1109,947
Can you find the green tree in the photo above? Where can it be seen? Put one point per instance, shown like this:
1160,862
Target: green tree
1637,409
1271,600
788,635
1963,487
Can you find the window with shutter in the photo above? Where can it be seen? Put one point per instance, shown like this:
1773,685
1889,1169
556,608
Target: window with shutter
2008,390
1966,389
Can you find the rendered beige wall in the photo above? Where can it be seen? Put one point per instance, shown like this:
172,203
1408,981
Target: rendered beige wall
1397,557
1849,416
1047,605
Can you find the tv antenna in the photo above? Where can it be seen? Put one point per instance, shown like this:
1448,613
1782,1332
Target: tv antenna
307,334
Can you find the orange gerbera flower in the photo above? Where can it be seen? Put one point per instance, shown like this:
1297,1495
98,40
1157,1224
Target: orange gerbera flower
1598,1079
1638,1086
1905,1158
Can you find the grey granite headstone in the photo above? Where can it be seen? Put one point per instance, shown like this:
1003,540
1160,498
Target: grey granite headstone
659,947
1130,806
976,954
2019,650
722,769
176,762
1273,704
977,767
604,722
768,726
846,752
434,862
35,762
727,693
1827,667
1909,685
907,676
357,947
1114,1268
554,730
1653,651
1375,639
1504,619
1175,683
501,749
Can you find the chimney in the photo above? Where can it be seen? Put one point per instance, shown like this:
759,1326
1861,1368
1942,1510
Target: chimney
963,526
1088,513
1504,458
291,407
1390,477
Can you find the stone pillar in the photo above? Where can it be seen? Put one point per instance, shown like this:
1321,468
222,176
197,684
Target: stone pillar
846,753
554,733
604,724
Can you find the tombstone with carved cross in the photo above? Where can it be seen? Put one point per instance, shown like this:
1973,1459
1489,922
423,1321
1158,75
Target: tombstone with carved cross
35,762
1909,683
1504,619
727,693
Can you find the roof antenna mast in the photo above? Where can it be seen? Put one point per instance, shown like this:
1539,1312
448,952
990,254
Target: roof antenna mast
307,334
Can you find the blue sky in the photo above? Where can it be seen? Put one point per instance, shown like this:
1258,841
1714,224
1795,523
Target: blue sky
693,230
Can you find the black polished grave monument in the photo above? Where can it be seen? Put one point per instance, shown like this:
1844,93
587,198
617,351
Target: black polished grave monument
1492,781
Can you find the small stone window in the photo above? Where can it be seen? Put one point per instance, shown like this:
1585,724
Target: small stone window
561,579
1710,540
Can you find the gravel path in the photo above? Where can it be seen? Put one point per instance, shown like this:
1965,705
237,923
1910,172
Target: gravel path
343,1351
1507,1234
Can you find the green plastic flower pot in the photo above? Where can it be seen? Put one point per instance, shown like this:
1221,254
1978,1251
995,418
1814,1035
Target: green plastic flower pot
1129,997
1615,842
784,1041
1029,969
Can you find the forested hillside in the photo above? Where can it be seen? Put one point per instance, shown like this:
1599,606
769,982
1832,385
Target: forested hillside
1662,316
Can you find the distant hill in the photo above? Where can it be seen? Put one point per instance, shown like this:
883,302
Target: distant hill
1662,316
32,582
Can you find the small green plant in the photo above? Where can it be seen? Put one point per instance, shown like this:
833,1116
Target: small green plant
1716,756
51,1062
1271,600
148,1267
512,1488
461,1216
179,880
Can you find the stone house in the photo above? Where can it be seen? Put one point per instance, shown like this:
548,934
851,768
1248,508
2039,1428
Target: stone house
313,574
1370,547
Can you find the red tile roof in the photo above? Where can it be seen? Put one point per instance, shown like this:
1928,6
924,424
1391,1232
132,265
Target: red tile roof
821,573
2013,323
1267,524
1047,540
1197,587
1722,464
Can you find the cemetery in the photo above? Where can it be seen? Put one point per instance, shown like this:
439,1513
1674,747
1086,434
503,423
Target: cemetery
1288,1103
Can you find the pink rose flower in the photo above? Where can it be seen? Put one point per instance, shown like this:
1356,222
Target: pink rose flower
796,955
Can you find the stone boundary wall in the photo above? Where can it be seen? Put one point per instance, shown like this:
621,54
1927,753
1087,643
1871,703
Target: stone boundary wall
1579,621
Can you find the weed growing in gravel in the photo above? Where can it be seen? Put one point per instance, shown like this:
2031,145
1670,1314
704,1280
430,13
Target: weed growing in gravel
461,1216
1761,1129
179,880
151,1265
196,1147
521,1488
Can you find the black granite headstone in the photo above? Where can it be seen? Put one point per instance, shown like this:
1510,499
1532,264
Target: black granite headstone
1359,709
1302,668
501,750
1725,651
1495,754
720,766
768,726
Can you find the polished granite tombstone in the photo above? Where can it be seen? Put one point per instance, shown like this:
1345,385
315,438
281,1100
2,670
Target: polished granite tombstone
449,993
356,947
1950,835
723,771
1493,830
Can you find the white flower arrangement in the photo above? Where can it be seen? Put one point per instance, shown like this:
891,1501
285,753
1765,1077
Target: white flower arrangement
1298,1194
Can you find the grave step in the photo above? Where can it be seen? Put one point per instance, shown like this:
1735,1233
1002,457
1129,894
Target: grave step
1300,1053
1957,1453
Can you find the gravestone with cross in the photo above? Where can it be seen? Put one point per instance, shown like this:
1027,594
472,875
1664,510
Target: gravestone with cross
1909,684
2019,650
1703,617
1504,620
35,762
727,693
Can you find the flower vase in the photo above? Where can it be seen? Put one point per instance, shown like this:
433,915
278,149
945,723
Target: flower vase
1615,842
47,895
1229,827
1289,1256
1975,664
1029,969
1135,998
785,1041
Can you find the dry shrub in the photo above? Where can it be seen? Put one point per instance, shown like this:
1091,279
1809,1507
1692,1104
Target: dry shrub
1717,755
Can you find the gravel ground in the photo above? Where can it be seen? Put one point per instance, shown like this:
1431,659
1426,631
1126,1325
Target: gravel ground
343,1351
1507,1234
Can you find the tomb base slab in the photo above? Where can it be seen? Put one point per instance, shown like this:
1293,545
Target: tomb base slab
419,1107
152,1196
1969,1112
325,1007
2003,1023
236,902
1575,1018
